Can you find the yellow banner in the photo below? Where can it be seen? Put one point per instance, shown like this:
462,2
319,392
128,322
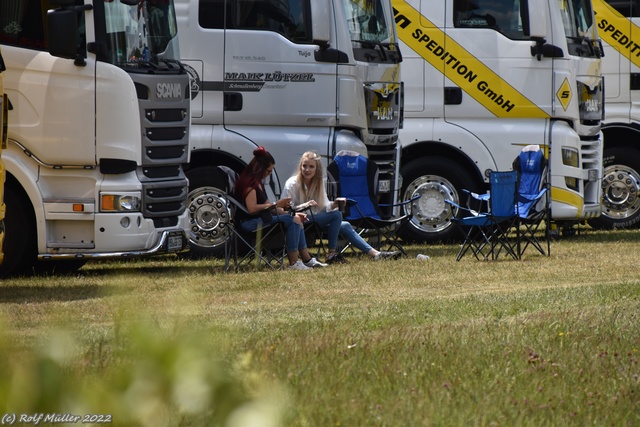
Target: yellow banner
618,31
460,66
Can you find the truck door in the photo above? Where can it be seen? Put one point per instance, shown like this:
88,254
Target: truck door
418,24
616,67
271,77
53,99
487,56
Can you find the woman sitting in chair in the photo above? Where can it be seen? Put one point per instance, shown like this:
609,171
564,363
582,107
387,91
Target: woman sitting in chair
250,190
307,191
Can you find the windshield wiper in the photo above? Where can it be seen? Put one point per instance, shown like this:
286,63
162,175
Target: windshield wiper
172,62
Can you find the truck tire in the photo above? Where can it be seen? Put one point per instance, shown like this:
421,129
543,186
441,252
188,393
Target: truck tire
20,247
208,213
620,189
435,179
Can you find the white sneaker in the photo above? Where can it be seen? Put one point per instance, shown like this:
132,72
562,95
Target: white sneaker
299,265
313,263
387,255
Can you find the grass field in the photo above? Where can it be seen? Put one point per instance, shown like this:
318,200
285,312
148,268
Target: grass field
538,342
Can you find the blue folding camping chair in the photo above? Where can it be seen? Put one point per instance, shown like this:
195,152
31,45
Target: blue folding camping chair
486,231
353,176
533,200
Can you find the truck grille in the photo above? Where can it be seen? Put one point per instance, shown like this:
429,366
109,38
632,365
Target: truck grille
165,123
592,151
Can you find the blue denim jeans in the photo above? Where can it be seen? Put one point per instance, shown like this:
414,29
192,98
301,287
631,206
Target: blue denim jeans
332,224
329,222
295,240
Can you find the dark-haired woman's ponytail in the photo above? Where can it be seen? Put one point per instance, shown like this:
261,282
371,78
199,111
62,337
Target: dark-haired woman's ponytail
260,151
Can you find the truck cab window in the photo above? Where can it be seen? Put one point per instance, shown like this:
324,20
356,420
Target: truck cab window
22,23
287,17
500,15
367,21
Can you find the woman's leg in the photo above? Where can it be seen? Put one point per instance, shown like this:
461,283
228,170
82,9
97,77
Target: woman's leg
250,225
292,232
330,222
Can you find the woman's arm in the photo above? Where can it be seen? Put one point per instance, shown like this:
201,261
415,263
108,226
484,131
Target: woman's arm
253,207
251,202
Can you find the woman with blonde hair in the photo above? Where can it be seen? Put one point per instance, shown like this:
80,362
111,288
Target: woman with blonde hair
307,190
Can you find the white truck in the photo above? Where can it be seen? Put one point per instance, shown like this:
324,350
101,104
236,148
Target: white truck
98,132
292,76
483,79
618,27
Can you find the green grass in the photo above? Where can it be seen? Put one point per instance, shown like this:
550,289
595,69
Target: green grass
542,341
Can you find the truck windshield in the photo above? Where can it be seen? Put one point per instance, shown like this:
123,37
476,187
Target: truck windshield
577,17
369,20
138,35
371,26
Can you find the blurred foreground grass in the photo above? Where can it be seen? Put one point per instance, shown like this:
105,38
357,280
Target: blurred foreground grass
542,341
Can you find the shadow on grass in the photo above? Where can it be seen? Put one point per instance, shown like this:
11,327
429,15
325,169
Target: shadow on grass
164,271
38,293
603,236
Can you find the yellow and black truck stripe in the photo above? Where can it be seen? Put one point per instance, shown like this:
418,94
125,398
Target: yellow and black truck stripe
460,66
618,31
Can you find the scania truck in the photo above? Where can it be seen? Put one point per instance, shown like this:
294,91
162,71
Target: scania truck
618,22
4,108
292,76
483,79
98,131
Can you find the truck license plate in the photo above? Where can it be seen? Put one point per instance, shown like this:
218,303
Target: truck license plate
174,243
384,186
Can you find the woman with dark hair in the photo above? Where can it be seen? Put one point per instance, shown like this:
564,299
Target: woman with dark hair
306,190
250,190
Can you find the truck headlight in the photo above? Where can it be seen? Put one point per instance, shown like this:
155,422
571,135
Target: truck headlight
119,203
570,157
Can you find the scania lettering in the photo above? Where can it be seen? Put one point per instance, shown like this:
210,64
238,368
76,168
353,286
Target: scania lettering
4,108
292,76
99,126
482,80
619,27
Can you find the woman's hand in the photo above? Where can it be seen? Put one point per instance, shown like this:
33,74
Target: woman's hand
306,205
302,216
339,203
284,203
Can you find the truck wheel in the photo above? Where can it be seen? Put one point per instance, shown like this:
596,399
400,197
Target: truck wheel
435,179
620,189
20,248
208,213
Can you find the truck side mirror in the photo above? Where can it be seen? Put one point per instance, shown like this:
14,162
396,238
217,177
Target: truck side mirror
62,27
534,18
320,22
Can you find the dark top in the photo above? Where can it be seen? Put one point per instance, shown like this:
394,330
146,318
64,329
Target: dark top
261,197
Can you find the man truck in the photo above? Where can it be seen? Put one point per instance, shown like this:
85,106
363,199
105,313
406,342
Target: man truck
99,127
618,27
292,76
485,78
